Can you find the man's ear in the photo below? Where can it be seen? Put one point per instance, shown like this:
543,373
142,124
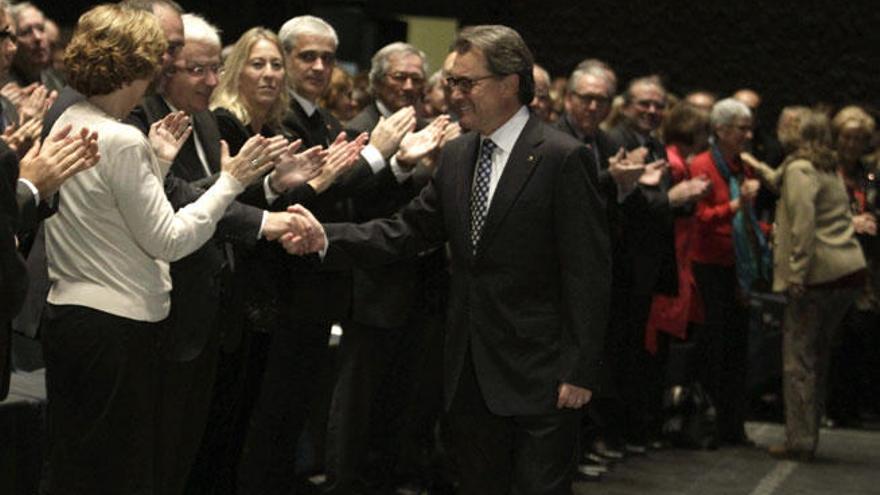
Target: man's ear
510,84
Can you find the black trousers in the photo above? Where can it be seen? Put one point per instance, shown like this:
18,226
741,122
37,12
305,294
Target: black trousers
510,455
184,404
722,343
290,381
102,385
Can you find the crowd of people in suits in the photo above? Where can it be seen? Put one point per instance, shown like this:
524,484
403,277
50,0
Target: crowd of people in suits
512,260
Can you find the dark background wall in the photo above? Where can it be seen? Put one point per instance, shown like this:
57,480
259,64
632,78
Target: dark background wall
807,52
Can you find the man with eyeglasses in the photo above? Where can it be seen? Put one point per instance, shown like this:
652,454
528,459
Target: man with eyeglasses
517,202
390,316
647,260
205,306
33,63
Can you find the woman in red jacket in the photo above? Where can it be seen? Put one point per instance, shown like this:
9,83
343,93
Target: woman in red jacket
729,256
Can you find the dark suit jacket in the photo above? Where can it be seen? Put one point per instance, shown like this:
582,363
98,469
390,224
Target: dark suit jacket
313,292
532,304
198,279
13,274
649,234
385,296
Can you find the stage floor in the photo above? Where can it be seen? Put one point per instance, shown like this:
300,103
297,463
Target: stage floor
848,462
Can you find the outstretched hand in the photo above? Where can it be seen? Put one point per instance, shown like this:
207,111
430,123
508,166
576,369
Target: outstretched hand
293,169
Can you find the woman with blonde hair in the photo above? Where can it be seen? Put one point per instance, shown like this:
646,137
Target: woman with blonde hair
109,248
818,264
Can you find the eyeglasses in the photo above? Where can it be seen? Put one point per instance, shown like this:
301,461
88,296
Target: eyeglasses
7,34
465,84
310,56
588,99
646,104
201,70
401,78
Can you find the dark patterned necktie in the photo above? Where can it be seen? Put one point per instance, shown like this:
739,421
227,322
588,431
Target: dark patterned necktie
480,194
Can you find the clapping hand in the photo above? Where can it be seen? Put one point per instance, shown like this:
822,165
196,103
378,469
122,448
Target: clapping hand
168,135
20,139
293,169
624,172
252,161
340,157
62,156
416,145
388,133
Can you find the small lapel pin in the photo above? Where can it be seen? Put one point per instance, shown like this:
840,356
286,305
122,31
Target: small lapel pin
531,158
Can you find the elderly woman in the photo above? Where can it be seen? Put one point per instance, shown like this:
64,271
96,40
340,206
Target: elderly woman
728,255
819,264
108,251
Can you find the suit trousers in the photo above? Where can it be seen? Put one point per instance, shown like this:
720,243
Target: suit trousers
510,455
372,409
808,331
185,400
102,386
297,354
722,343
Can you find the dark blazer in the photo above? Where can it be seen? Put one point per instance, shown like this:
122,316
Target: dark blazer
315,292
13,274
384,296
532,303
649,231
198,279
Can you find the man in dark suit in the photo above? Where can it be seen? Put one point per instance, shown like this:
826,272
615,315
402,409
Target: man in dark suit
313,297
382,338
204,306
647,261
518,203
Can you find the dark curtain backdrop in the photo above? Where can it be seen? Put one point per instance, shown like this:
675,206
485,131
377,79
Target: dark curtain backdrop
791,52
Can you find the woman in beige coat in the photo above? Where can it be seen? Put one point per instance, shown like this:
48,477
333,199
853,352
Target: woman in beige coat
818,263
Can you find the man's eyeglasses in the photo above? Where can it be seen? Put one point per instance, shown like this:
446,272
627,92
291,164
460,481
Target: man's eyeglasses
7,34
201,70
310,56
464,84
401,77
588,99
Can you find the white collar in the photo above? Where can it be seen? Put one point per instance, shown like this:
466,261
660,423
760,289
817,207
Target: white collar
505,136
308,107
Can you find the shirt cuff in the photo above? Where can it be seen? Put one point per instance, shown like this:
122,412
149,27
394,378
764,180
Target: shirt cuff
271,195
33,189
373,157
322,253
262,224
399,173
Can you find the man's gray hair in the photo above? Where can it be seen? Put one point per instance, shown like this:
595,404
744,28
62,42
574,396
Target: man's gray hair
305,25
16,9
592,65
726,111
505,51
382,61
148,5
594,71
196,28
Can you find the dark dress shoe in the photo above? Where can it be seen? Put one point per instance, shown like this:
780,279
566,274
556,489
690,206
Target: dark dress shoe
782,452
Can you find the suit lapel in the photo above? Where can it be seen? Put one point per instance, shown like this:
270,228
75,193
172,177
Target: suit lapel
209,136
520,165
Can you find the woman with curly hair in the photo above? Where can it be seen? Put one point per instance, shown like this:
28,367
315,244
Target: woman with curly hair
818,263
108,251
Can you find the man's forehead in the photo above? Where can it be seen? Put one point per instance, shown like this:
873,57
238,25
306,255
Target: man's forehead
591,83
312,42
30,15
199,52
